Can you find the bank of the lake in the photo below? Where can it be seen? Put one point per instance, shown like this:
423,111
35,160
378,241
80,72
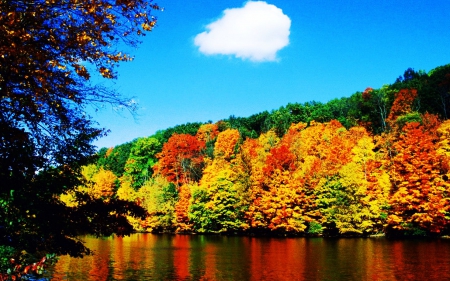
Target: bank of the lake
205,257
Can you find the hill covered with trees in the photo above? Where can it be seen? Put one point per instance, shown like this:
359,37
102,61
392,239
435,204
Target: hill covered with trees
375,162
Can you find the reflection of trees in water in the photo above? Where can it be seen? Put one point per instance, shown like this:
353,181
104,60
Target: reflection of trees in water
196,257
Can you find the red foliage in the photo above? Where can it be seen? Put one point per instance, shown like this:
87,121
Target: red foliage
367,94
181,159
419,194
280,158
20,271
431,123
402,103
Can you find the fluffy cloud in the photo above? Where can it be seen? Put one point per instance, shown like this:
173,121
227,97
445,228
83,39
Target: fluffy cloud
256,32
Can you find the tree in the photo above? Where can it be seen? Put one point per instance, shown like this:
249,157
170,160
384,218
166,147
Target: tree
158,197
419,200
181,159
226,143
208,133
218,203
49,51
114,158
402,104
356,199
141,160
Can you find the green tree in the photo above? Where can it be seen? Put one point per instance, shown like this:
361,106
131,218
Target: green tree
141,160
114,158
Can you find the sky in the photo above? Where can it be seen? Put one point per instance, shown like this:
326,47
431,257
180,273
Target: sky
208,60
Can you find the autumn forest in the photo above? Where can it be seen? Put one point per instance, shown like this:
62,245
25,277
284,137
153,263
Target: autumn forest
374,163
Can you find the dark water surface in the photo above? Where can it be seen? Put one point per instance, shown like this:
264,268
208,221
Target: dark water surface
198,257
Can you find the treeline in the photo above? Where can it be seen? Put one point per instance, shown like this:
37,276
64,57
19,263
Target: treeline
375,162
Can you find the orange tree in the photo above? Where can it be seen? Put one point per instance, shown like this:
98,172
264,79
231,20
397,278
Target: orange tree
48,52
181,159
419,201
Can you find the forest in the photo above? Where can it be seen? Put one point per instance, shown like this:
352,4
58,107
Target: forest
374,163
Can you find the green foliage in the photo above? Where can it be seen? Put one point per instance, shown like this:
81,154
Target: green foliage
141,160
115,159
189,128
219,206
158,197
315,228
6,253
408,118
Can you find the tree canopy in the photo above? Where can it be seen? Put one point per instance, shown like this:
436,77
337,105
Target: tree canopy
374,162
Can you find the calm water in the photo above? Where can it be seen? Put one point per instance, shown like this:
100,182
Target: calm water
197,257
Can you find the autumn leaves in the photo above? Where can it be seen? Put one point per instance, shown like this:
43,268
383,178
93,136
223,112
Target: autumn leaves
316,179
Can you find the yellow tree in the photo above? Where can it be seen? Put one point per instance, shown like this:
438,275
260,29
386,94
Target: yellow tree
225,146
182,222
158,197
321,150
104,184
361,206
207,132
218,204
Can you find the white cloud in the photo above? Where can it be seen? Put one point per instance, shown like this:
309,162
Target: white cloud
257,31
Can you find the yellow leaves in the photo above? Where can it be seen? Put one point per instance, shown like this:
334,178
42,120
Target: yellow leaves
83,38
104,184
148,27
226,143
443,146
111,18
268,140
68,199
363,151
126,191
105,72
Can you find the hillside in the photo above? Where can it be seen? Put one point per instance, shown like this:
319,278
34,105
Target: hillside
375,162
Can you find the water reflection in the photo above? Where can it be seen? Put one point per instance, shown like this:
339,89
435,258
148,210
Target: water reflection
197,257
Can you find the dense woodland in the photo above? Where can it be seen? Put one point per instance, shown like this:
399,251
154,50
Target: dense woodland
377,162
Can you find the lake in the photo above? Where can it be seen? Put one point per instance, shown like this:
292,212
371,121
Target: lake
201,257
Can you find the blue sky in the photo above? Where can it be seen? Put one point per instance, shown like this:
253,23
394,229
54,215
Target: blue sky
242,65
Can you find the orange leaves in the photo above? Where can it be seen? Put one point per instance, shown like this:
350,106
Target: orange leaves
417,173
181,159
367,94
279,158
182,209
402,103
207,132
81,71
226,144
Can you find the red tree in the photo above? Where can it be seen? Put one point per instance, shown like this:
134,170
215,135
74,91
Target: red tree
181,159
402,103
